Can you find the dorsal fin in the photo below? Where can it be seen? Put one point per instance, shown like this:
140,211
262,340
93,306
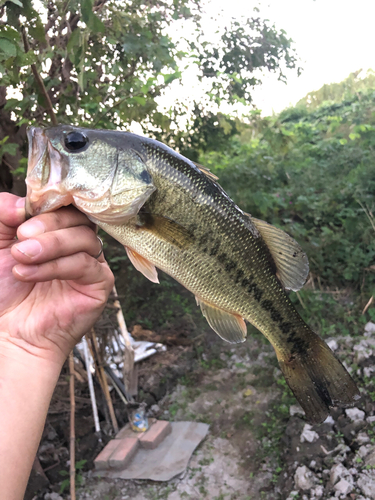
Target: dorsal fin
290,260
206,171
229,327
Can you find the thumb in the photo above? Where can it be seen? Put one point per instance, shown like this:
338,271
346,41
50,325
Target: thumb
12,214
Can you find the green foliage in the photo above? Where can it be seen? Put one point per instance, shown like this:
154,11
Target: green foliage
105,64
312,174
335,92
79,478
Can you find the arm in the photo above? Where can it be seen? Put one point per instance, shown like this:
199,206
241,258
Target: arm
47,303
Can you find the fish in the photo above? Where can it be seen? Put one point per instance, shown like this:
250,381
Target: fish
171,214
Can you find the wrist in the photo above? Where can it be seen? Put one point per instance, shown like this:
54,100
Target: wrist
27,357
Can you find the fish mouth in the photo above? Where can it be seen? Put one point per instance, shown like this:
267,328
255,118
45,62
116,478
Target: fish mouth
44,179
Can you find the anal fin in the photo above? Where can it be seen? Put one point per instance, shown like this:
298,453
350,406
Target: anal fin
229,327
143,265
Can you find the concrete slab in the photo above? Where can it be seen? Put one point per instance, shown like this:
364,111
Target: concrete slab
166,461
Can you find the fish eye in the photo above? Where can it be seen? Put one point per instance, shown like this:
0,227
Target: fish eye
75,141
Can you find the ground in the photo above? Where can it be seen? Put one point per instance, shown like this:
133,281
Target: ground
259,444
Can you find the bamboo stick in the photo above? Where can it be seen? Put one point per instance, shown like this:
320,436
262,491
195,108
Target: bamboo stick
105,383
72,429
90,344
128,370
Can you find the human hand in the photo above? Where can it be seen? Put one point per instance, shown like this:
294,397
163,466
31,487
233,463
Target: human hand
50,300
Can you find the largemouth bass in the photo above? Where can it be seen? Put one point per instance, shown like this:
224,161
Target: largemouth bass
171,214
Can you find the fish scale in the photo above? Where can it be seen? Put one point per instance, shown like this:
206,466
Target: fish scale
171,214
202,272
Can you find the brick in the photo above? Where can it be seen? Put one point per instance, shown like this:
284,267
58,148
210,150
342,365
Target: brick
127,431
155,435
102,460
124,452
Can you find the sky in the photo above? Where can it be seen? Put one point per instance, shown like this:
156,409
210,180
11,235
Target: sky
332,37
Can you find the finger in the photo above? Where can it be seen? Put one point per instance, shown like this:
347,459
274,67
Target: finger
79,267
53,221
12,214
56,244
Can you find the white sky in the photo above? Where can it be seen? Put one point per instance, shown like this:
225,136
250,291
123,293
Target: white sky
332,37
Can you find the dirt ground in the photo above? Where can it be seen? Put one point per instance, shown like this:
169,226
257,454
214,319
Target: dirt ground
259,445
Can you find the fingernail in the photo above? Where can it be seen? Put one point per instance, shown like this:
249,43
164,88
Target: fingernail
32,228
26,271
30,248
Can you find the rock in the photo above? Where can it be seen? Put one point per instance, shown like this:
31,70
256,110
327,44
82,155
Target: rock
362,351
338,471
293,495
155,409
304,479
341,451
295,410
364,450
329,420
52,434
317,492
362,438
366,484
355,414
343,487
308,434
370,456
52,496
368,371
371,419
333,345
369,329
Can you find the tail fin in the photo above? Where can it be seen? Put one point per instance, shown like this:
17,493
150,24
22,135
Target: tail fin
318,380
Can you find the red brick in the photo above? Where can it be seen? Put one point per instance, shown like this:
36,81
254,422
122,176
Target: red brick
124,452
126,432
155,435
101,461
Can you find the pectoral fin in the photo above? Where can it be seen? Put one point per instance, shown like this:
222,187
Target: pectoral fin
229,327
143,265
290,260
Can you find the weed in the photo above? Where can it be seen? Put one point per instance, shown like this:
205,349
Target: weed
79,477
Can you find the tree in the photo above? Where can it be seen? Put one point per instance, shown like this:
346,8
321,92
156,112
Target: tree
104,63
337,92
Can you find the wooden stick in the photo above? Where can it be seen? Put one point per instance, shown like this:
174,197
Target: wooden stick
72,429
368,304
105,383
128,370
